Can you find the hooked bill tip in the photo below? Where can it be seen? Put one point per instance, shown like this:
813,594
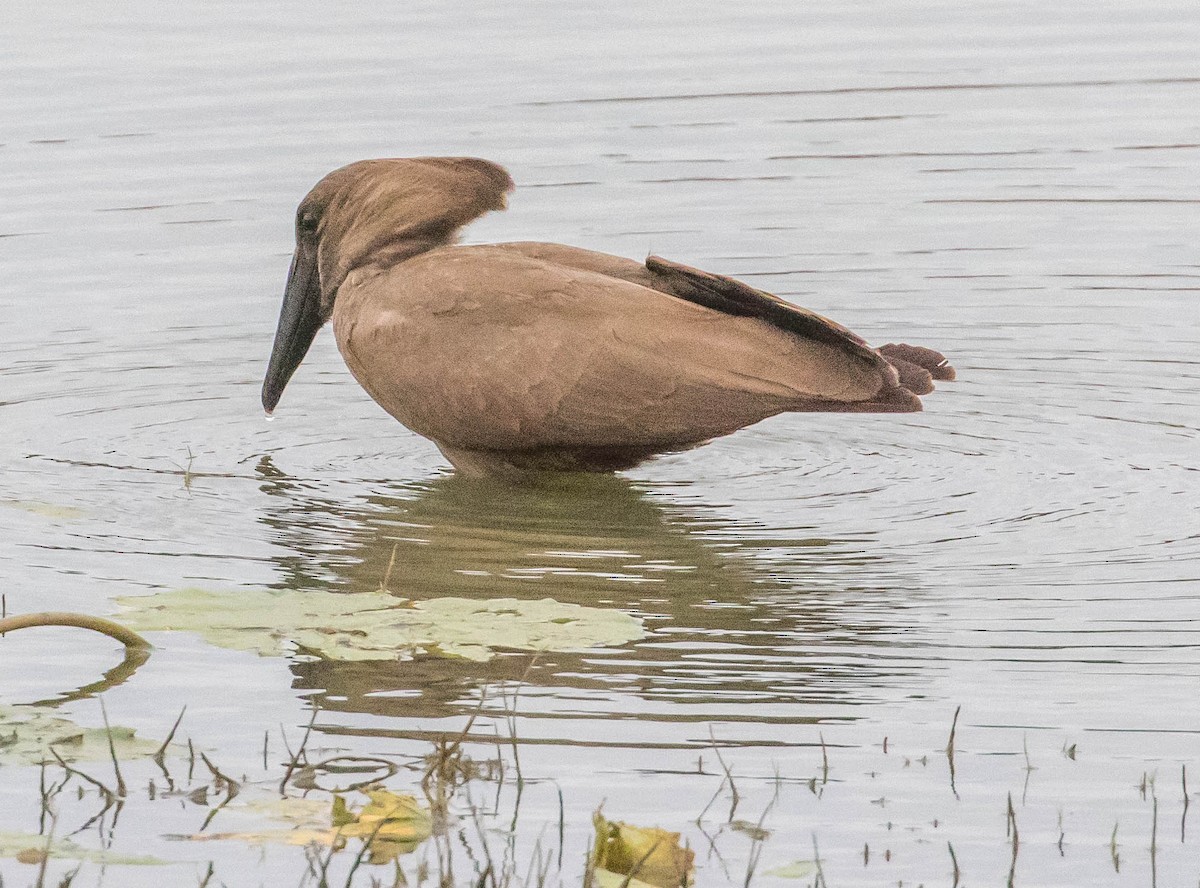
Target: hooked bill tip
270,397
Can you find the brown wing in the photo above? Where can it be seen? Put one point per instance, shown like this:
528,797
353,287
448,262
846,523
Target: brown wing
492,348
718,292
915,365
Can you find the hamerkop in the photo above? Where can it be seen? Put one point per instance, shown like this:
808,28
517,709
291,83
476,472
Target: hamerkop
534,356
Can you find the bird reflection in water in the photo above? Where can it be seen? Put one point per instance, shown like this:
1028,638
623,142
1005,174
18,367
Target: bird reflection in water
731,615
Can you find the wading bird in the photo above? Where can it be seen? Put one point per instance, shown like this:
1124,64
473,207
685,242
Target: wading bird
535,356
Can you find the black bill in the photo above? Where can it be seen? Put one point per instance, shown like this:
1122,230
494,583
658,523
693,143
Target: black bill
299,320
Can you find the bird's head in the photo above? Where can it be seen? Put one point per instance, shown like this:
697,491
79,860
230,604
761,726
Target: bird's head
371,213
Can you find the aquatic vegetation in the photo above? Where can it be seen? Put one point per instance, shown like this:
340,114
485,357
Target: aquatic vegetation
456,808
389,824
55,511
115,631
639,857
377,625
32,849
31,736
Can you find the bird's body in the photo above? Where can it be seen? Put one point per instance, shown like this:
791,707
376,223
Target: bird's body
542,356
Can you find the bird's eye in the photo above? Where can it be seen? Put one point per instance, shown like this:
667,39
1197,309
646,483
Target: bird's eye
306,221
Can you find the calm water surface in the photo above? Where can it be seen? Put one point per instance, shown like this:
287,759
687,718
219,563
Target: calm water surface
1017,186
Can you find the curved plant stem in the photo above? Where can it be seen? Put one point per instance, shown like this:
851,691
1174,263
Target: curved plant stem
127,637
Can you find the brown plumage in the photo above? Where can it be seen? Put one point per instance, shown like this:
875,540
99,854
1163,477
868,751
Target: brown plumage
542,356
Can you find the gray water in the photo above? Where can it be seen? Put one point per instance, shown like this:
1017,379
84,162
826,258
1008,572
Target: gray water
1014,185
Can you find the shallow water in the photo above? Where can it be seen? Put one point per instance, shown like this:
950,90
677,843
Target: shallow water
1016,186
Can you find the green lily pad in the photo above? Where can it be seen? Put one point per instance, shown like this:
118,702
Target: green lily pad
377,625
302,812
277,821
29,848
797,869
46,510
26,736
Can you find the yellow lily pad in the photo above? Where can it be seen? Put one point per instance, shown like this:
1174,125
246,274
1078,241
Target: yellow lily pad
377,625
639,857
390,824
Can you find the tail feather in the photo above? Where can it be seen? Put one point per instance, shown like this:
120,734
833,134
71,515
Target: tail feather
916,379
933,362
915,369
890,399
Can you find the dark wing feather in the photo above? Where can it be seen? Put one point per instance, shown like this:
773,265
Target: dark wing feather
731,296
916,365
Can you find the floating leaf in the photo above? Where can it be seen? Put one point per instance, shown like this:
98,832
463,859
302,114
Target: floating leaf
390,824
293,836
297,811
639,857
753,830
26,736
307,822
797,869
46,510
32,849
377,625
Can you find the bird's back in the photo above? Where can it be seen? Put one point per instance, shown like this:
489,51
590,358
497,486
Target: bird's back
532,346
